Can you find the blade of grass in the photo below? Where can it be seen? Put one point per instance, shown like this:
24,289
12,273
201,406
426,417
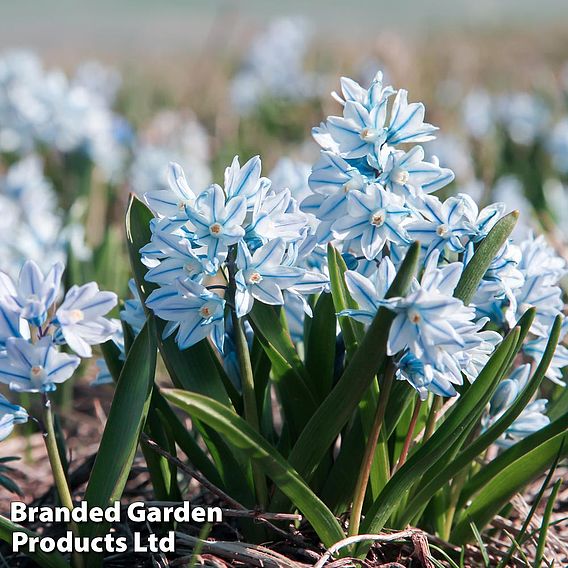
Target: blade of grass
543,533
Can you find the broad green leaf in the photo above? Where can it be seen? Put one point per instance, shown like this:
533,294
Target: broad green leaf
509,473
335,411
320,347
352,331
288,372
126,419
45,560
163,473
483,257
459,420
111,354
243,436
185,439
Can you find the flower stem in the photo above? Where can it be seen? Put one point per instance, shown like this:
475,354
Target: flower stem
247,376
249,400
431,421
370,448
54,457
57,468
409,434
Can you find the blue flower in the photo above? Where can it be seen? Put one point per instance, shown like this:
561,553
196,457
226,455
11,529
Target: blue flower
407,174
276,215
376,216
427,318
375,95
35,367
331,180
172,202
218,225
531,419
407,122
480,221
80,317
443,227
423,377
35,293
361,128
263,275
370,292
245,182
178,259
10,415
133,310
191,309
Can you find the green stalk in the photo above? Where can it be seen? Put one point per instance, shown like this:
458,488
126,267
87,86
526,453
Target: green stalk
247,377
409,435
370,449
55,458
57,469
249,401
431,421
455,493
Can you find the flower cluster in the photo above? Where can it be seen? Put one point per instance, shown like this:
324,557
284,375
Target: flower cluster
371,199
34,324
240,243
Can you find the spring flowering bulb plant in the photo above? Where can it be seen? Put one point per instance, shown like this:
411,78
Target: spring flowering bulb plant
360,343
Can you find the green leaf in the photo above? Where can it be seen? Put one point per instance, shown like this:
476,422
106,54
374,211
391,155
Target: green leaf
511,456
483,257
509,473
162,472
459,421
545,524
335,411
45,560
185,439
320,348
111,354
298,401
352,331
138,234
125,422
244,437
